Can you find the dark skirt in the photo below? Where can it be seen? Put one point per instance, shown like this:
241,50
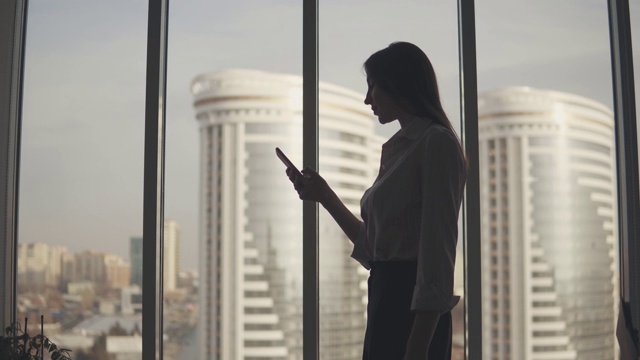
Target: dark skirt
389,316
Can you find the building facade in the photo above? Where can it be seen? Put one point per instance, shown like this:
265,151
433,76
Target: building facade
40,264
171,255
117,272
251,218
91,266
548,226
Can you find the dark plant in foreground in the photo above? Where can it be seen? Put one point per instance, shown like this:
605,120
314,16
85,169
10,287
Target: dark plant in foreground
16,344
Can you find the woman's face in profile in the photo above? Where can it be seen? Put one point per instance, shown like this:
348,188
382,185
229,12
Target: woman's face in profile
382,105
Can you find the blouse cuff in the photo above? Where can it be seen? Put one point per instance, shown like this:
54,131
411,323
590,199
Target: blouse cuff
359,252
429,297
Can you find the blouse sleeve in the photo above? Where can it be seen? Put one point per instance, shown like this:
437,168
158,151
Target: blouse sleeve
442,172
360,252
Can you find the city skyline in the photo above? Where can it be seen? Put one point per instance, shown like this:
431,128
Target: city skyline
89,304
42,264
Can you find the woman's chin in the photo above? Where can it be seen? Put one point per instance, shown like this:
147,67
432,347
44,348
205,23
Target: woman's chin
384,121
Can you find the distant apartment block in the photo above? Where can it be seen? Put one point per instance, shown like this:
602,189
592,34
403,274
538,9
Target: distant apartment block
40,264
117,272
97,267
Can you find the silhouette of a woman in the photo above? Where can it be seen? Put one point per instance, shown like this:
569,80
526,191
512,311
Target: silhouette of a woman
408,233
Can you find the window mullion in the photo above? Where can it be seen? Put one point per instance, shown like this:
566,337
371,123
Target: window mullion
310,287
13,15
471,205
627,172
153,210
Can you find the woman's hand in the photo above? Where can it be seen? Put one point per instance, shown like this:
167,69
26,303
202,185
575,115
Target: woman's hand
311,186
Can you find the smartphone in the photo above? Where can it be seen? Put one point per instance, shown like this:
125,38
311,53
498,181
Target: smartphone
288,162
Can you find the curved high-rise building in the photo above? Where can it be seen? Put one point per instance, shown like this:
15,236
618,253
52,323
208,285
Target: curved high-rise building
548,226
251,218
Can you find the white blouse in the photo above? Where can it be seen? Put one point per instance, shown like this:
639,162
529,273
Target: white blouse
411,210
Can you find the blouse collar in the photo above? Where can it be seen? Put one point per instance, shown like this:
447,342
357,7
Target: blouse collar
415,128
413,131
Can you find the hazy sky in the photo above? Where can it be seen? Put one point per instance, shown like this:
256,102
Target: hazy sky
83,131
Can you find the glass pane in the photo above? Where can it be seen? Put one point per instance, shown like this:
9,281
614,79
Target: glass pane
82,175
234,94
549,215
351,140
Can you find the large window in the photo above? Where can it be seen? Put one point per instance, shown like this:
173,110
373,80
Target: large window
81,175
234,94
232,260
548,184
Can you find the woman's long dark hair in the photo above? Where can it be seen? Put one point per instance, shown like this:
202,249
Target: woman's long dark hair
405,72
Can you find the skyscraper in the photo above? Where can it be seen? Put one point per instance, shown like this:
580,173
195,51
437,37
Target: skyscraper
548,226
250,225
171,255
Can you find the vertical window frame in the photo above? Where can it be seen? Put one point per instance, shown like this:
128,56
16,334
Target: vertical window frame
153,200
310,209
13,20
472,246
627,175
